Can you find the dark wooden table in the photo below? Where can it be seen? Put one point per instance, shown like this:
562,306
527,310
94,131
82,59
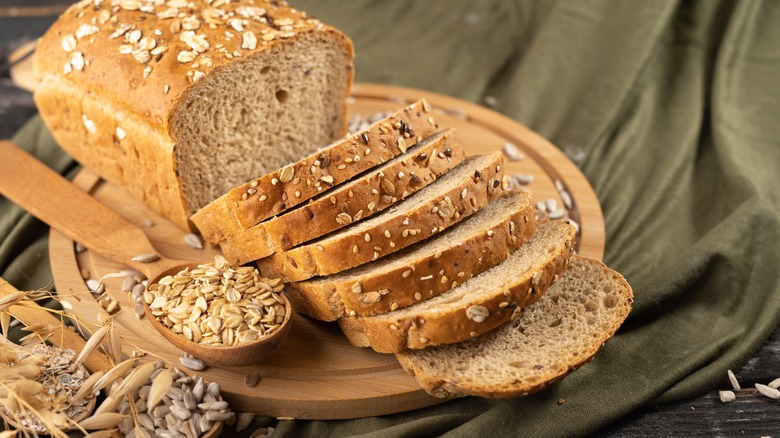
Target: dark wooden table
751,415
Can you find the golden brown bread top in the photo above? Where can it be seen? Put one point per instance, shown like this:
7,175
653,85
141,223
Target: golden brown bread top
143,55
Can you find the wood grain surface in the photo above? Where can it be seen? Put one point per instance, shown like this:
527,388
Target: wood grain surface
750,415
317,373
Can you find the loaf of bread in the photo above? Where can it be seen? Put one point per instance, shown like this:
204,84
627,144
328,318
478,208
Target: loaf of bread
423,270
458,194
179,102
543,343
350,202
478,305
295,183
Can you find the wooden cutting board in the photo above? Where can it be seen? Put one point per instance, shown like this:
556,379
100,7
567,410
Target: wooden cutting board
318,374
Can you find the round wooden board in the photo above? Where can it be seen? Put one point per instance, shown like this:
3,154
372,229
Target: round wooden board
317,374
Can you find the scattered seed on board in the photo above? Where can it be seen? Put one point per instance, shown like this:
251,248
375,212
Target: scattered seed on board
193,241
128,284
558,213
727,396
148,223
774,383
251,380
145,258
192,363
93,285
513,152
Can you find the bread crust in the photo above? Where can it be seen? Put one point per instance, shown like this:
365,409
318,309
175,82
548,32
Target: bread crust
102,66
347,249
384,290
449,386
127,166
392,333
120,77
350,202
298,182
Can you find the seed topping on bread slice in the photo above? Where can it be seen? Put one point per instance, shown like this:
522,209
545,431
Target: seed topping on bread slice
478,305
421,215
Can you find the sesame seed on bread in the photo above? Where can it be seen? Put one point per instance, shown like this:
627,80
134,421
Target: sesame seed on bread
476,306
357,199
178,102
421,215
300,180
424,270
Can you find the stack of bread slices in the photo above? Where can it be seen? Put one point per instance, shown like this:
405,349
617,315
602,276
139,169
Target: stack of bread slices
417,249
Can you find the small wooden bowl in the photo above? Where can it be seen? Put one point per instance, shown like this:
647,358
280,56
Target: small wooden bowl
239,355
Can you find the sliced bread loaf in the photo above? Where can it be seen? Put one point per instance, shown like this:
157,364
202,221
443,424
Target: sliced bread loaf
457,194
178,102
476,306
293,184
543,343
424,270
359,198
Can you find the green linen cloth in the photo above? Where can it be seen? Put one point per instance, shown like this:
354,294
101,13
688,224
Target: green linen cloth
670,108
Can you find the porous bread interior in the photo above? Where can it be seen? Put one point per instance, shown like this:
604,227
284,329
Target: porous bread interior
487,217
563,328
445,183
522,263
256,115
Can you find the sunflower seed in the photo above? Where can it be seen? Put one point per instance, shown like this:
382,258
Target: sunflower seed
213,389
727,396
192,363
768,391
218,415
251,380
180,412
213,406
145,258
513,152
733,380
193,241
243,420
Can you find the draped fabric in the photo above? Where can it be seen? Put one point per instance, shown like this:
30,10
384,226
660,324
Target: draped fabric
670,108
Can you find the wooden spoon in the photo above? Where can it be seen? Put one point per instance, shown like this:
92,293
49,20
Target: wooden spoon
54,200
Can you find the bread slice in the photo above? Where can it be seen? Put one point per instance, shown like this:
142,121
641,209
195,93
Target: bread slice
546,341
476,306
457,194
424,270
177,106
359,198
266,196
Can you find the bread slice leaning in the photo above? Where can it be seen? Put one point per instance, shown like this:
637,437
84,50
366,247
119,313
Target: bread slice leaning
252,202
424,270
350,202
546,341
458,194
476,306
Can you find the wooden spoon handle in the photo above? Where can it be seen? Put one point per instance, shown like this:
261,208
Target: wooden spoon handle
54,200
